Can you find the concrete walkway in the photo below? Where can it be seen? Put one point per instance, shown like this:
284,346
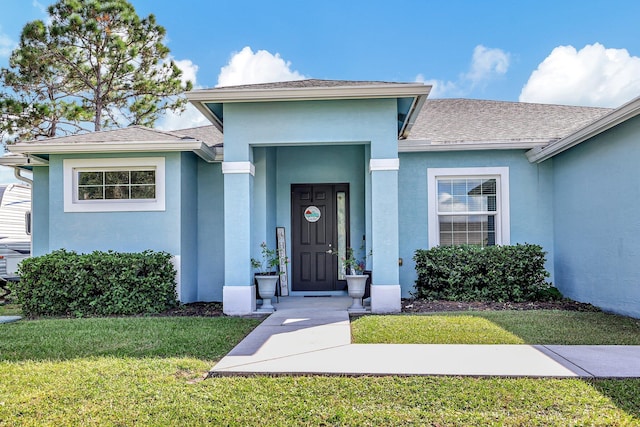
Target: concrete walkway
9,319
313,336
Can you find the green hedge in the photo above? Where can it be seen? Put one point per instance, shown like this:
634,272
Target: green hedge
65,283
494,273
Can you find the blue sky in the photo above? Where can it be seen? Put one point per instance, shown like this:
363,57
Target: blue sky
584,52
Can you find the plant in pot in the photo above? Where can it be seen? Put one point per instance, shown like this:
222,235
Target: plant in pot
267,275
356,279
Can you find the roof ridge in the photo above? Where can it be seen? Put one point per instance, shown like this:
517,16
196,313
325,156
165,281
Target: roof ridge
519,103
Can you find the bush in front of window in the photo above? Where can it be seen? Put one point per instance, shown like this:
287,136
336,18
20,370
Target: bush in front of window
64,283
494,273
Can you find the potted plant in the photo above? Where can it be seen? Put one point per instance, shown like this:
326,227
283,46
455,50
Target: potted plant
267,276
356,279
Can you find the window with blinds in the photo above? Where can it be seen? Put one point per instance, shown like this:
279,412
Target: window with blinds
467,209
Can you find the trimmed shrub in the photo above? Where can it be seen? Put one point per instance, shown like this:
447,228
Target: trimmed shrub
494,273
65,283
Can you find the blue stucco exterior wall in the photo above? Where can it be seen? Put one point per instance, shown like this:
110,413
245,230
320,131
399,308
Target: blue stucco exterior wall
531,201
174,230
188,231
316,164
303,142
210,241
40,211
597,200
118,231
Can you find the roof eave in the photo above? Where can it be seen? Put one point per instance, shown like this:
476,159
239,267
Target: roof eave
413,146
416,106
308,93
614,118
198,147
22,160
418,91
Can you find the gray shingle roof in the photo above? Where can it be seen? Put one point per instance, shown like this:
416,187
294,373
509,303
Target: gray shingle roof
210,134
309,83
207,134
472,120
440,121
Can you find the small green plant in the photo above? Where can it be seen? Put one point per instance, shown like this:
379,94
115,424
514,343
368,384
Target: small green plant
350,263
270,260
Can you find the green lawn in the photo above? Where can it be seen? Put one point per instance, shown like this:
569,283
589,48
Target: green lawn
498,327
148,371
10,310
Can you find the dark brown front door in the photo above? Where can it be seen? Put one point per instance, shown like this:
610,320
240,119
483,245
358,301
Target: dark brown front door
314,220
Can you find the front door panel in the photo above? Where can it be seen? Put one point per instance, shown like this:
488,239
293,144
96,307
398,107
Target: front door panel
313,219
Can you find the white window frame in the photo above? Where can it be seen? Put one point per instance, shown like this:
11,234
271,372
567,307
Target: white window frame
503,227
71,167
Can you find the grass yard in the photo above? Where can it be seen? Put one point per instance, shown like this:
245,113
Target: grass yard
148,371
498,327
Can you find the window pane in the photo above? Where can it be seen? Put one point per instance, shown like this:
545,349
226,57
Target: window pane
143,177
446,239
489,186
90,178
474,187
116,177
467,229
341,200
143,191
467,195
445,200
116,192
459,187
90,193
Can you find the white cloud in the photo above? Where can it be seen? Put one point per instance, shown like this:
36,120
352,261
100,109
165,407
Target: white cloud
439,88
244,67
189,70
592,76
190,117
247,67
486,64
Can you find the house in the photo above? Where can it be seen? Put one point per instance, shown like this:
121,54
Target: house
386,171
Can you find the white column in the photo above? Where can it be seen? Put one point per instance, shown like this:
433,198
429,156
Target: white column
238,293
385,289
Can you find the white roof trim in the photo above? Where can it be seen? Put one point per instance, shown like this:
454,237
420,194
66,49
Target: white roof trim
308,93
614,118
199,148
16,160
413,146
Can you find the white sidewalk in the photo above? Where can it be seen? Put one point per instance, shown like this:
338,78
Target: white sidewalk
313,336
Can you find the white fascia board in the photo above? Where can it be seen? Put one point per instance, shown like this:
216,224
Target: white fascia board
416,146
215,120
416,106
307,93
199,148
17,160
614,118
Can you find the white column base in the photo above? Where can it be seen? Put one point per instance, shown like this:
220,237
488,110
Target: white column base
238,300
385,299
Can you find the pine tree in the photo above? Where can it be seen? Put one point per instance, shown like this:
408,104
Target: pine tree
97,65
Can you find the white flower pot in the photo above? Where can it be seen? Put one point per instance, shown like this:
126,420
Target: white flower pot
356,284
267,289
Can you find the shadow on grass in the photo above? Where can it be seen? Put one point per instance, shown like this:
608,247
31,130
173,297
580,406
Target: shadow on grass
624,393
205,338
